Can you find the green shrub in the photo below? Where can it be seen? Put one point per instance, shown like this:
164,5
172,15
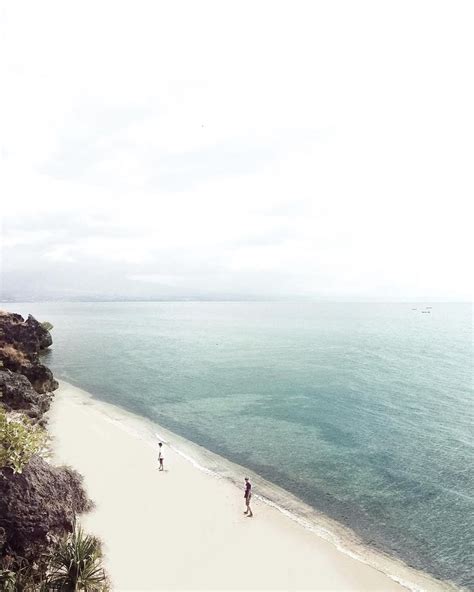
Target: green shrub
20,439
47,325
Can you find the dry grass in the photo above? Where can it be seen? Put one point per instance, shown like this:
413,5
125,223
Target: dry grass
5,313
14,355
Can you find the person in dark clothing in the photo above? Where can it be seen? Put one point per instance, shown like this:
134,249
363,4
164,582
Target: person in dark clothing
248,495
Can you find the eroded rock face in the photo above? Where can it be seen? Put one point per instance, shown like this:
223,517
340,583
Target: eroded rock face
38,504
29,336
42,502
20,345
17,394
40,377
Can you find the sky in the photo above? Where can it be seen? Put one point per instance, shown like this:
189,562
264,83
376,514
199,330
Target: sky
224,149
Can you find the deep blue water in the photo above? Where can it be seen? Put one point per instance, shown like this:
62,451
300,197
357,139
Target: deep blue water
364,411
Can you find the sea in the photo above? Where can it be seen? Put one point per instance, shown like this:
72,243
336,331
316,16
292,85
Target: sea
363,411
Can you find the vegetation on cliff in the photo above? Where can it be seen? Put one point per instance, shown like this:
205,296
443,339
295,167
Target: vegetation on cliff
20,439
41,548
76,563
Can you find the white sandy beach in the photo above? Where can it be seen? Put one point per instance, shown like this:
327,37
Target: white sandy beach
183,529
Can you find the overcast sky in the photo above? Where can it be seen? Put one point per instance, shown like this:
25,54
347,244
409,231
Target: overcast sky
231,148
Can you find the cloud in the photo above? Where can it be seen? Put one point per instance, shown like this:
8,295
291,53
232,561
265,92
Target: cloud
255,148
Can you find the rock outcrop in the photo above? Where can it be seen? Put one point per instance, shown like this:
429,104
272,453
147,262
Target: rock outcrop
21,343
17,394
38,505
29,336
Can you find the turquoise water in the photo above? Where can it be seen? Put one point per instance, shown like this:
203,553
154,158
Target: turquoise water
364,411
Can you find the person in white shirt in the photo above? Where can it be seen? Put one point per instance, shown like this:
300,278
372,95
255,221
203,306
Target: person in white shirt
160,456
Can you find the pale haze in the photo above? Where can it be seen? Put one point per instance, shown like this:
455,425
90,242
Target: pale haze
237,150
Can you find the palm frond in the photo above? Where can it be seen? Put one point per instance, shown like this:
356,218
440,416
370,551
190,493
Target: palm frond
77,564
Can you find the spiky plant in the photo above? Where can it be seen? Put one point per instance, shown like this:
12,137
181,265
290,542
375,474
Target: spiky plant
77,564
7,580
18,575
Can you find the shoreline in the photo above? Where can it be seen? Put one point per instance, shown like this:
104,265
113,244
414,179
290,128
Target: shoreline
351,565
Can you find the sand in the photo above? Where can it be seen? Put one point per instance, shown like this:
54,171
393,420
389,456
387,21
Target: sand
184,529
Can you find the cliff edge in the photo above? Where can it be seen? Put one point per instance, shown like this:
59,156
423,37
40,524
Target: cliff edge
39,502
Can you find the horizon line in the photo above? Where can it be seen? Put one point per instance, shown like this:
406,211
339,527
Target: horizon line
335,300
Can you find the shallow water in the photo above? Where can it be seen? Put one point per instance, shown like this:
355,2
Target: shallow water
364,411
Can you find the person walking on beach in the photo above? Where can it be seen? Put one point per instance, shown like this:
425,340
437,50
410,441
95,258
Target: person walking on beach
248,496
160,456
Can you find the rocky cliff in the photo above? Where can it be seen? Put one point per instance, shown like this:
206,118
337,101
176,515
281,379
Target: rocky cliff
25,383
39,504
38,501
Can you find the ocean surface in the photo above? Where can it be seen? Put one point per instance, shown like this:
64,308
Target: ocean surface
363,411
